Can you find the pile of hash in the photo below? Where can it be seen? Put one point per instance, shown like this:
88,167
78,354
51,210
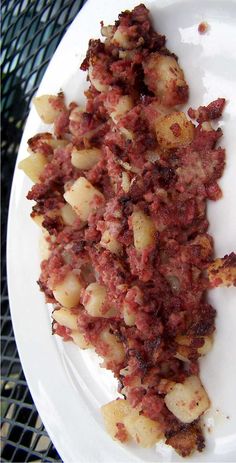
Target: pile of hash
120,192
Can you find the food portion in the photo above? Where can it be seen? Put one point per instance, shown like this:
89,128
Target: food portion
121,186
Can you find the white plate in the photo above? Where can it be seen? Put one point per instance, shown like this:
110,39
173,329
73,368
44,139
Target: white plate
67,384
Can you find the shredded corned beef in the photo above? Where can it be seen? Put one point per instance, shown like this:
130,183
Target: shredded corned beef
157,292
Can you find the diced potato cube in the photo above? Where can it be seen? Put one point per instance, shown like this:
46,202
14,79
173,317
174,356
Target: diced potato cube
39,142
143,430
189,341
110,243
187,400
80,340
94,300
116,351
46,109
122,39
133,299
174,130
143,230
100,87
107,31
83,197
85,158
129,316
65,318
75,119
33,166
165,78
125,104
113,413
222,272
207,126
125,182
67,293
68,214
58,143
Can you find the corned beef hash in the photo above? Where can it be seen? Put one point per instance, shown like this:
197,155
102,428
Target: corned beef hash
120,191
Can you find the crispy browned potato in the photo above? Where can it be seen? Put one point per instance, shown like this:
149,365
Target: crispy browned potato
174,130
190,343
165,79
222,272
186,440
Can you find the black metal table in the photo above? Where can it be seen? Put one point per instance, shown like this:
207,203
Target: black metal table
31,31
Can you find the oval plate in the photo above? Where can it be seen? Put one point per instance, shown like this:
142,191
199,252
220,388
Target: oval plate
67,384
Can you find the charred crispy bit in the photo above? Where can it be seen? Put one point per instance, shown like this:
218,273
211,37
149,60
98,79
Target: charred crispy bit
42,143
186,440
222,271
53,224
202,322
96,47
47,292
207,113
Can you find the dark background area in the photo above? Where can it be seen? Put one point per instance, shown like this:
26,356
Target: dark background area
31,31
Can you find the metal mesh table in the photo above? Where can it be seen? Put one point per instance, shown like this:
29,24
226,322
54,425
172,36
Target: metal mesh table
31,31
